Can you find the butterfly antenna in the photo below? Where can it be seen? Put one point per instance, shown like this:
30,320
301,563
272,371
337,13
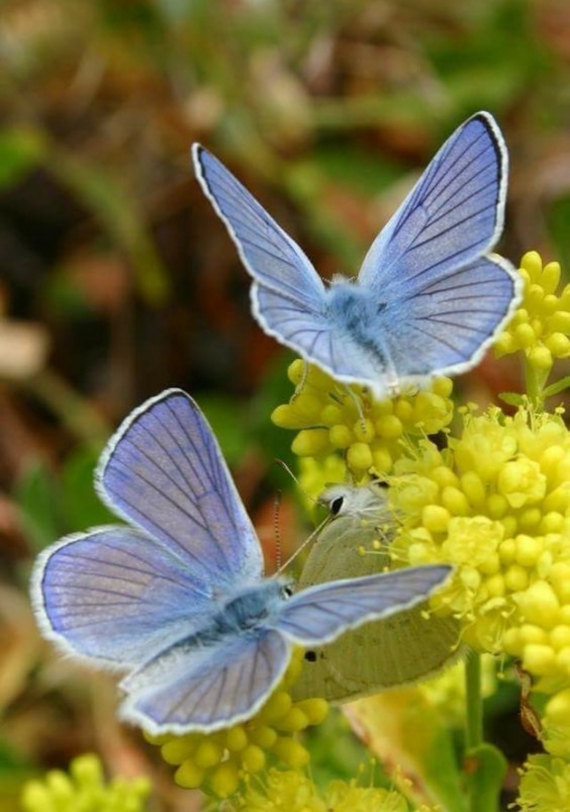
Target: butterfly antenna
308,540
286,468
277,531
358,403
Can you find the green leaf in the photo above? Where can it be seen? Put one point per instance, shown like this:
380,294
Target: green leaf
485,767
512,398
37,496
81,505
558,386
227,417
20,151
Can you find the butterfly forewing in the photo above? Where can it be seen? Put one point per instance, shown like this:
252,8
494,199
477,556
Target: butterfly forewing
322,613
164,471
114,594
453,215
271,257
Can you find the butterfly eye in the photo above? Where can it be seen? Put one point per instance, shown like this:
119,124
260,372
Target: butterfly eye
336,505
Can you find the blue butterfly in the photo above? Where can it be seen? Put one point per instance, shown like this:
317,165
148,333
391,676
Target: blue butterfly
428,300
178,599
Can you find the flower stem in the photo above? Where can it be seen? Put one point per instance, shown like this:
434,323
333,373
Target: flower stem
474,727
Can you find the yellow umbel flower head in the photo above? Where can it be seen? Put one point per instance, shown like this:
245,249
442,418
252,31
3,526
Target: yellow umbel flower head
218,762
545,785
84,790
541,325
496,504
294,791
346,422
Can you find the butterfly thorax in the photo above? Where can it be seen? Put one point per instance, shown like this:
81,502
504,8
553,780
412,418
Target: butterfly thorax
252,606
353,309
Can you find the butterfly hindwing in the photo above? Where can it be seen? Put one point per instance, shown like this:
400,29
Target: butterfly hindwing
207,689
401,648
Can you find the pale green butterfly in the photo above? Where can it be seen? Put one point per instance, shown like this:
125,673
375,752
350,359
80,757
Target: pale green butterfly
405,648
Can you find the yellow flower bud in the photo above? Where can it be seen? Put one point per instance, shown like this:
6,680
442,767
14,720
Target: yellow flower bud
316,710
294,721
177,750
528,550
291,752
331,415
435,518
389,427
225,779
525,336
516,578
359,457
207,754
340,436
253,758
264,736
558,708
559,345
189,775
559,637
540,605
236,739
550,277
311,443
454,500
363,430
539,660
540,358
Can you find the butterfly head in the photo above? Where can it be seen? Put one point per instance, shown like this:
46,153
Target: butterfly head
350,500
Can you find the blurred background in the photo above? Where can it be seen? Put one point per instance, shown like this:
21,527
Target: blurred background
117,279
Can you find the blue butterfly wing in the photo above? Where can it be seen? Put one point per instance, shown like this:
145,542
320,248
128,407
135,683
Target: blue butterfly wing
446,327
209,688
322,613
453,215
272,258
288,296
164,472
115,595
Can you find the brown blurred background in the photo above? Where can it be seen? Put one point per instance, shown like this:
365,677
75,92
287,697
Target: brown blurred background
117,279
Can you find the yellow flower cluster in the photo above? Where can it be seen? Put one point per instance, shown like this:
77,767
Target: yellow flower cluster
218,762
84,790
496,504
541,325
544,785
332,417
293,791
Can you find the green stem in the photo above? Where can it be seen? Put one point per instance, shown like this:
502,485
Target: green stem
474,725
535,382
